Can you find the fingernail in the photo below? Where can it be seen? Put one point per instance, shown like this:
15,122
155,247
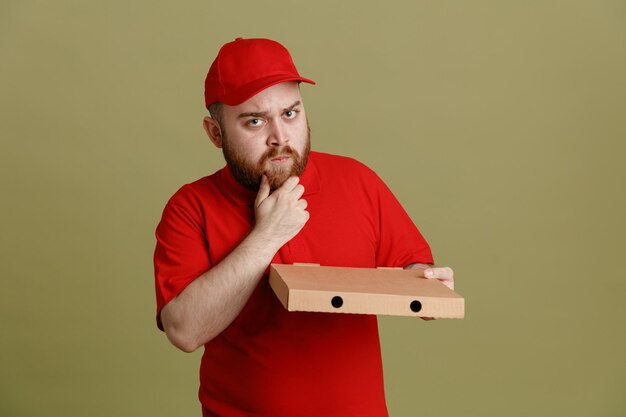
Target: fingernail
428,273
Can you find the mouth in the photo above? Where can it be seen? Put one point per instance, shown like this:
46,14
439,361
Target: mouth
280,159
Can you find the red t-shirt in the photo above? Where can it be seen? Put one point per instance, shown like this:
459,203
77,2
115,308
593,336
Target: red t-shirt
271,362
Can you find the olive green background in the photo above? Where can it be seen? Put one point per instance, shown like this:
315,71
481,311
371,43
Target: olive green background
500,126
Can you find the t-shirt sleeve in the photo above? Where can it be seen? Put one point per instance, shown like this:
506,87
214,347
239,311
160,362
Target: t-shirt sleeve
181,253
400,242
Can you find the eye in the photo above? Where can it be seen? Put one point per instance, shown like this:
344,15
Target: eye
291,114
254,122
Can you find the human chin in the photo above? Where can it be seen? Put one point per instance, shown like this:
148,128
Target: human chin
278,171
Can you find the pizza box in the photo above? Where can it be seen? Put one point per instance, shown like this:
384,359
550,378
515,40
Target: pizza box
386,291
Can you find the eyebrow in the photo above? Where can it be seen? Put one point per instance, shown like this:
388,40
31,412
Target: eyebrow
264,113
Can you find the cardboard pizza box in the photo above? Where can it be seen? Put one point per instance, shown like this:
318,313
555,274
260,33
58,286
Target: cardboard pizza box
389,291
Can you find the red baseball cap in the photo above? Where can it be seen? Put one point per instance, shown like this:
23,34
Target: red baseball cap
244,67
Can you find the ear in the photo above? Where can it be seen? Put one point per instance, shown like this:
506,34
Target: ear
213,130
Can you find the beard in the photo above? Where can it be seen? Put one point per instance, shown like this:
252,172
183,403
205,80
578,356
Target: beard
249,174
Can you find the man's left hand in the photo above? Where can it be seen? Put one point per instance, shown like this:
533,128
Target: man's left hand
444,274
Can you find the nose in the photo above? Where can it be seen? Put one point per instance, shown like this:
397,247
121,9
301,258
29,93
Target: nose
277,134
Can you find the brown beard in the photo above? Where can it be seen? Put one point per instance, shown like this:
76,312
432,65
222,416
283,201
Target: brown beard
250,175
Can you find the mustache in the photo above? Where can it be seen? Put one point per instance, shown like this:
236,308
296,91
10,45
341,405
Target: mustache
274,152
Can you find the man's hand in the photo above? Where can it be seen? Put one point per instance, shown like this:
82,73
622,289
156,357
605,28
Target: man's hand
281,214
444,274
211,302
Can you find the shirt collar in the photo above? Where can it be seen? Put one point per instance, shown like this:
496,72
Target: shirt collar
242,195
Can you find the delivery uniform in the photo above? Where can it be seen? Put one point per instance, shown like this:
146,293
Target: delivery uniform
271,362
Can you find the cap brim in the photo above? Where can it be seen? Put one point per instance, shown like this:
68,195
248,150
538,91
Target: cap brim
251,89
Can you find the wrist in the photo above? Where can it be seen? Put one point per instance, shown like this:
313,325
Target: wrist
262,244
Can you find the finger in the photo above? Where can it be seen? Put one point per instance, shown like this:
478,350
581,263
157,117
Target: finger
445,275
302,204
264,191
297,191
288,185
440,273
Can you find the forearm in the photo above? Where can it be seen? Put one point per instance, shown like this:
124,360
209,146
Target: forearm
211,302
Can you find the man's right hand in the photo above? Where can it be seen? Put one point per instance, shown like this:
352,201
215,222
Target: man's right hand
211,302
282,214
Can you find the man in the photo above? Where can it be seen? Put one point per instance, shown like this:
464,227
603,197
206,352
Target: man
275,201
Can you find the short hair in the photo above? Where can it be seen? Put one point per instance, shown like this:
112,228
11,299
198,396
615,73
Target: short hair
217,113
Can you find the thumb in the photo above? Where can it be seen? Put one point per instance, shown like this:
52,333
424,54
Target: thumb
264,191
